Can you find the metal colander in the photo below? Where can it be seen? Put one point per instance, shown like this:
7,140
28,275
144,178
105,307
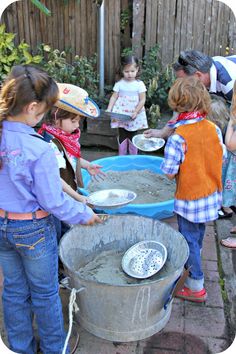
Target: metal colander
144,259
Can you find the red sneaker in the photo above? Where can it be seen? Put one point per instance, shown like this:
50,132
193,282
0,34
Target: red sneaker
195,296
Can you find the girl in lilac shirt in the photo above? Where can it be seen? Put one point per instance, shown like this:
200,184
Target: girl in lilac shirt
32,192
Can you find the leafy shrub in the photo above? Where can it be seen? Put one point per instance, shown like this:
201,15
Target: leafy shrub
82,72
158,80
10,54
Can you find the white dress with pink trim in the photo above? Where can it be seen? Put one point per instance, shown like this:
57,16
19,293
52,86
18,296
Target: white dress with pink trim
126,103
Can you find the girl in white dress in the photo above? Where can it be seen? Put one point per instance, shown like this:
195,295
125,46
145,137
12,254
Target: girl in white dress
128,98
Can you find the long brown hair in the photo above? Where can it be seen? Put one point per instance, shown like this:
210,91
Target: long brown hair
25,84
57,114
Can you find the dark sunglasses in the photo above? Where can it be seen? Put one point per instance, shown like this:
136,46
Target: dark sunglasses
184,62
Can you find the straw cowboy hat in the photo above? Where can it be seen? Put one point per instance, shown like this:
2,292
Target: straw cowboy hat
75,100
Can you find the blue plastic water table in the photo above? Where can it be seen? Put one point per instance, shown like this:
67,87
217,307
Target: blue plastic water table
159,210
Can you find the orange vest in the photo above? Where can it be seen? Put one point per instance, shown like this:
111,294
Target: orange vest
200,173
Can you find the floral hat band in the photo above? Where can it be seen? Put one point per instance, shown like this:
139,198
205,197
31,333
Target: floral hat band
75,100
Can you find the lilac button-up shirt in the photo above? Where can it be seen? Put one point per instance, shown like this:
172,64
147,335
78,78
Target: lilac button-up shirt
30,178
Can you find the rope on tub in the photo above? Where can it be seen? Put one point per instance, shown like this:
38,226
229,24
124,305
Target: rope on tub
72,307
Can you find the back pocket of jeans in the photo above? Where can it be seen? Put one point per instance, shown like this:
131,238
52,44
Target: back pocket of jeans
32,244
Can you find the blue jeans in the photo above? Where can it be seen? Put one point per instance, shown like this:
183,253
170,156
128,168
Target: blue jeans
194,234
61,228
29,260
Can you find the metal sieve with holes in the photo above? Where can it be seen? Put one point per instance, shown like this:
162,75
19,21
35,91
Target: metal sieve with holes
144,259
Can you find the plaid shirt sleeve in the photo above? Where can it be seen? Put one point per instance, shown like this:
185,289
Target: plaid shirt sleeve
173,155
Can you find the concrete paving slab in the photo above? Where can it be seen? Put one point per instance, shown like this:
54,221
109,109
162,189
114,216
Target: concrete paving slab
176,321
214,298
216,345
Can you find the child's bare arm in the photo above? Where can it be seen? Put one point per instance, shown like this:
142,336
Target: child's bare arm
230,136
170,176
164,133
92,168
140,105
112,101
71,192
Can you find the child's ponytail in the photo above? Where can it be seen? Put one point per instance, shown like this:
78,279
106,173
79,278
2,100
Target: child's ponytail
25,84
6,101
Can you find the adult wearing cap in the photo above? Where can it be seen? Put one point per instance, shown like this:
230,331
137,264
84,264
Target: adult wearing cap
216,73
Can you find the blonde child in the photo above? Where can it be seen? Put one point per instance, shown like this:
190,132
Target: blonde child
32,192
193,156
220,115
229,169
128,98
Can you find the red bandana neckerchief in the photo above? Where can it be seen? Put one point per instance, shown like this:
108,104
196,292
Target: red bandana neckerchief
187,116
68,140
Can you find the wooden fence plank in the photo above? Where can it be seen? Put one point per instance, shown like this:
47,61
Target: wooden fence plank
177,34
218,29
148,25
168,31
72,28
160,20
224,28
213,28
190,25
93,35
232,34
198,24
138,27
183,25
207,26
153,24
20,19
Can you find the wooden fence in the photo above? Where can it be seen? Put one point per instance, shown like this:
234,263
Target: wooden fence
205,25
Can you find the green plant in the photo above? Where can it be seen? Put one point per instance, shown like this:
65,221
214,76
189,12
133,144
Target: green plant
82,72
124,19
126,52
10,54
41,7
56,65
45,10
158,79
154,115
86,73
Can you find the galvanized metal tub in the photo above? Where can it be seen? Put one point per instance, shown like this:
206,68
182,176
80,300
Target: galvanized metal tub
129,312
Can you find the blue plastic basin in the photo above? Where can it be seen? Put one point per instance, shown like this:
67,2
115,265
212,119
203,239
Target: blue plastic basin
159,210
